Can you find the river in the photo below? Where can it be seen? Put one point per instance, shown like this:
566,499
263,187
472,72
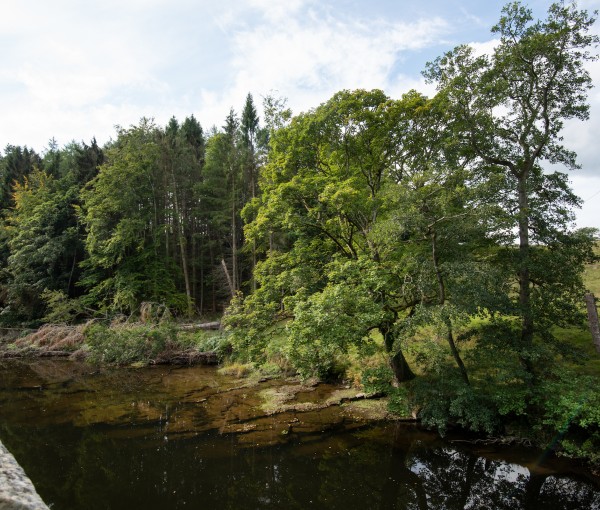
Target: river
174,438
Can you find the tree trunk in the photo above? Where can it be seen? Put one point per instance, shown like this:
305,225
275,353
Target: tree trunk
202,325
201,283
234,264
213,288
253,265
398,364
456,354
253,190
592,312
442,301
193,260
228,276
524,278
182,247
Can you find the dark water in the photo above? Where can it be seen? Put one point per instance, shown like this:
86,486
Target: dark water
190,438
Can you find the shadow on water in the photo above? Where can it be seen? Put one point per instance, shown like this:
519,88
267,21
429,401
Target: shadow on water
191,438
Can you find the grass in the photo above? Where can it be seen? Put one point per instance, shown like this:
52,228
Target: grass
583,338
237,370
591,275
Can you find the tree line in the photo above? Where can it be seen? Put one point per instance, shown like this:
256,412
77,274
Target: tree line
153,216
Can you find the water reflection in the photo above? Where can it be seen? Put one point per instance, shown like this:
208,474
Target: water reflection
162,439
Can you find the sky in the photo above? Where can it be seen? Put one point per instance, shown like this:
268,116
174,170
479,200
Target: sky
73,70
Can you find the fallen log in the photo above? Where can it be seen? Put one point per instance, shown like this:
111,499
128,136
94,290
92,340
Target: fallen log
55,354
204,325
34,353
189,357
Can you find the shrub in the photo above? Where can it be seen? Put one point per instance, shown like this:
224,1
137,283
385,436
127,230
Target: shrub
444,399
399,401
124,344
569,407
238,370
377,379
205,341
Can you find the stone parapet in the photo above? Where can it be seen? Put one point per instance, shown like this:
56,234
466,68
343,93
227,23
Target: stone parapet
16,490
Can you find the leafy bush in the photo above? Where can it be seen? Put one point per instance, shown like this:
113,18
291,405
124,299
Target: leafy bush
377,379
269,369
125,343
399,401
444,399
238,370
205,341
570,414
61,309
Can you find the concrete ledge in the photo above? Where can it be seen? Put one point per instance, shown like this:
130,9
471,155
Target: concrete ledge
16,490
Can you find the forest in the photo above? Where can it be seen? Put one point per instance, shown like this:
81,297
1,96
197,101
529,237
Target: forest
422,246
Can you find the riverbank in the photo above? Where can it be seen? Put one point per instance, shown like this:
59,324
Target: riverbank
120,343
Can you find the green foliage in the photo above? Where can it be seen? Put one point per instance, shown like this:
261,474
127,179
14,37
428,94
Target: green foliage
125,344
509,110
250,324
125,230
329,274
377,379
569,407
443,398
270,369
15,165
61,309
205,341
43,242
369,217
326,324
399,401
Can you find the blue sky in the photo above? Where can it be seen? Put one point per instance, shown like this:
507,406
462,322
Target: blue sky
73,70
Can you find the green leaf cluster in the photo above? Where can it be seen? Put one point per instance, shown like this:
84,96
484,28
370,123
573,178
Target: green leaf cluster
125,344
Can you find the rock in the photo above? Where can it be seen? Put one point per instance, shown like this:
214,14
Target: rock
16,490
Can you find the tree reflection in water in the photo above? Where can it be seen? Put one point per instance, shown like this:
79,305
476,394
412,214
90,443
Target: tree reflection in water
414,475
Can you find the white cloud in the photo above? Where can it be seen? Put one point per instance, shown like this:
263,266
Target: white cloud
307,53
485,47
588,189
277,10
65,62
68,61
582,137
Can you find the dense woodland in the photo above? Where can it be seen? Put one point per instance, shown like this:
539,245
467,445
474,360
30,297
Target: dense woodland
434,233
153,216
